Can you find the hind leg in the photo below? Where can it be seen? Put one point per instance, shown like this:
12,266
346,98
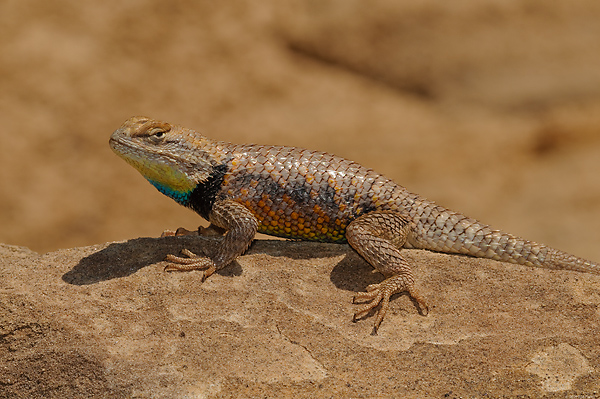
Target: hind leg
378,237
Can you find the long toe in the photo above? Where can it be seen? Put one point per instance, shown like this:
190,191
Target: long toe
192,262
380,294
375,297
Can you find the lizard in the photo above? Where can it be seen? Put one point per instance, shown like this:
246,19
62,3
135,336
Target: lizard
242,189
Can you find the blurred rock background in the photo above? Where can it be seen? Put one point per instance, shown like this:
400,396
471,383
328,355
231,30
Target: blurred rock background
490,108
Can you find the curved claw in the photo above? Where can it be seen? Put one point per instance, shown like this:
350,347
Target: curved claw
380,294
192,262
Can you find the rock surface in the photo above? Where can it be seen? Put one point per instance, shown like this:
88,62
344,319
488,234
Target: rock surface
106,321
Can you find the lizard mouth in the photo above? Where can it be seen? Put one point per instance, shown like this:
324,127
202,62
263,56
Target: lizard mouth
112,143
126,149
116,144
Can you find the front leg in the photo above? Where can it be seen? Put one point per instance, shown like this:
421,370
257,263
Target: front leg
240,225
378,237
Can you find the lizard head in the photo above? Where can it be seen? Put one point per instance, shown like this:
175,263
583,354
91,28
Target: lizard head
174,159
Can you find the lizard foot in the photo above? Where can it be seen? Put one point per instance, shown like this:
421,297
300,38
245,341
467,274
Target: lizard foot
192,262
179,232
210,231
381,294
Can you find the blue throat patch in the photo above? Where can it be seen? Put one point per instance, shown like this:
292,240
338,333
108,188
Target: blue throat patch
182,197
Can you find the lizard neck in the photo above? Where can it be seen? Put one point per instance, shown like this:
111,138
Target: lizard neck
182,197
203,196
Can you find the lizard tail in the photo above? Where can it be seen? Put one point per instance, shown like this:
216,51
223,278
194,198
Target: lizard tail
561,260
439,229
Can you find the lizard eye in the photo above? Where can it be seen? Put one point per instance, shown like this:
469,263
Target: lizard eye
156,134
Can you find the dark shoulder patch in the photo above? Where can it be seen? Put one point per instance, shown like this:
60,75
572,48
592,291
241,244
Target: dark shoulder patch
204,195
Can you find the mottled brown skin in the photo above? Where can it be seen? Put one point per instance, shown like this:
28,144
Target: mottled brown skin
310,195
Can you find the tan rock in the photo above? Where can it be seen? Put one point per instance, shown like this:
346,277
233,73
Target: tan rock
106,321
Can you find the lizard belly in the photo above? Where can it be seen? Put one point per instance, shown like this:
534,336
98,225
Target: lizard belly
285,218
